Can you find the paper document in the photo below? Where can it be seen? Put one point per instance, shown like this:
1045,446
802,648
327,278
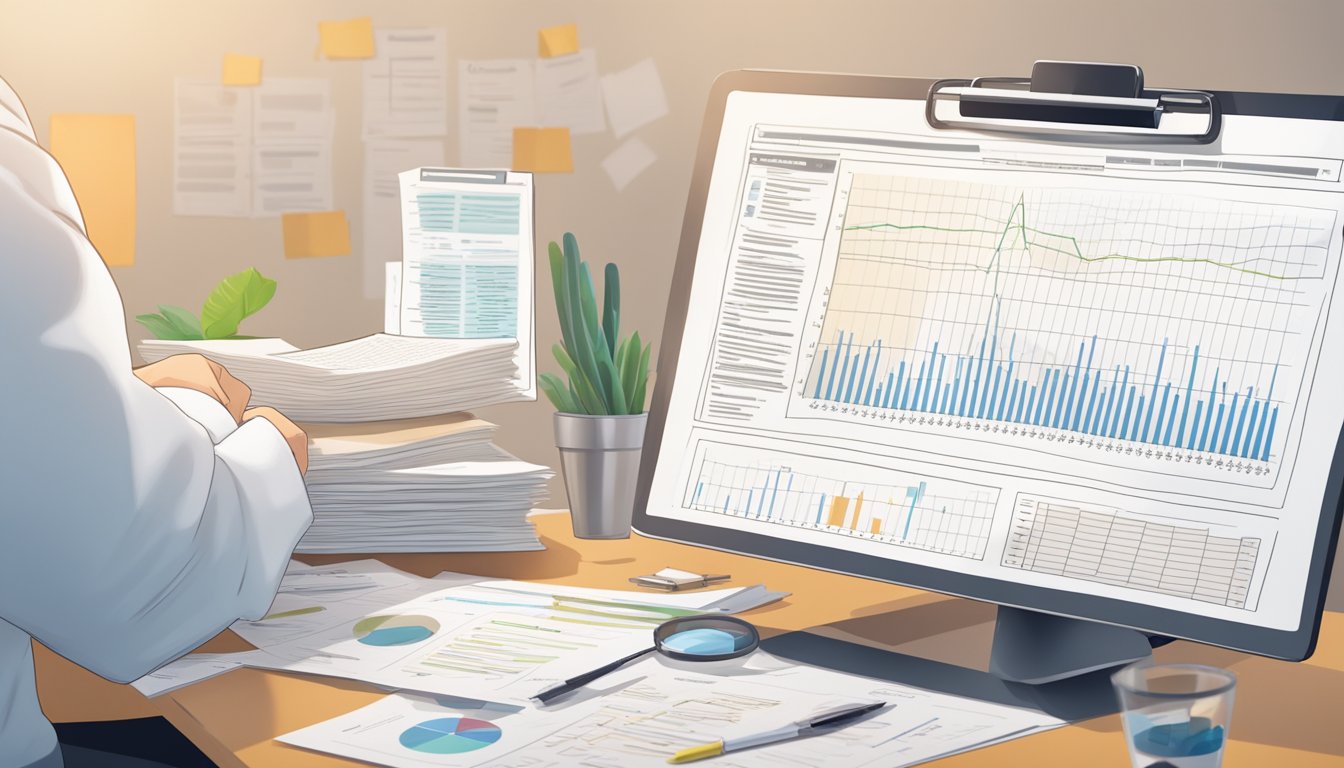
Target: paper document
467,259
384,159
634,97
212,149
293,123
493,97
641,715
391,297
569,93
627,162
192,668
493,640
406,84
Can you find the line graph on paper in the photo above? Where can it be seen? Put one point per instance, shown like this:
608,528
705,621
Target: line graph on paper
892,506
1139,326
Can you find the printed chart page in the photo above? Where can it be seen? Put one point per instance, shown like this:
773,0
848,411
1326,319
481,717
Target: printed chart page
1102,370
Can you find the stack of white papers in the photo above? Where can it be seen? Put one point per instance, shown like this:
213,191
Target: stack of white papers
402,444
465,506
374,378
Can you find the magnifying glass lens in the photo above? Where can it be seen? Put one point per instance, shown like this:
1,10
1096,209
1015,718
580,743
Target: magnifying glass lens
706,638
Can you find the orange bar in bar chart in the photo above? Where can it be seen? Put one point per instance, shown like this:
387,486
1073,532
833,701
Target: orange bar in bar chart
858,509
877,527
839,505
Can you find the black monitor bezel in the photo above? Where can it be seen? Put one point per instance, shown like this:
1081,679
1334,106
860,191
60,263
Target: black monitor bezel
1292,645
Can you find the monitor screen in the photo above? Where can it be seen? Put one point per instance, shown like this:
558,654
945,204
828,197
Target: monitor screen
1089,377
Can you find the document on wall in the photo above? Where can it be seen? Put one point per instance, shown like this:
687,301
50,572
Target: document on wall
569,93
654,708
467,259
406,84
384,158
293,123
212,149
252,151
494,96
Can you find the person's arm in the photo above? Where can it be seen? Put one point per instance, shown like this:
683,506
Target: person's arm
127,537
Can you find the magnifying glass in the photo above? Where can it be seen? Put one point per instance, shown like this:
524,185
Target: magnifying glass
689,638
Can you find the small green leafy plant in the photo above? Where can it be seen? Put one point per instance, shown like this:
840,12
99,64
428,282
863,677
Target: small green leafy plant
608,375
235,298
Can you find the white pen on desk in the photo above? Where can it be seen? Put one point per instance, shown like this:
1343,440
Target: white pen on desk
822,721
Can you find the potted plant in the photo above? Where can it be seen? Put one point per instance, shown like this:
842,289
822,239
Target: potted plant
236,297
599,423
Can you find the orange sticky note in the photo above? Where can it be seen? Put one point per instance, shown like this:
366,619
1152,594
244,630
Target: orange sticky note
97,153
351,39
314,235
242,70
542,150
558,41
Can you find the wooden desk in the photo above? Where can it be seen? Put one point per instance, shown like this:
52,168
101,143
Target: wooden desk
1286,714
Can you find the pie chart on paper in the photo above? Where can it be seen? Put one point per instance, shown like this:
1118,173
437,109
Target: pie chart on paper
394,630
450,735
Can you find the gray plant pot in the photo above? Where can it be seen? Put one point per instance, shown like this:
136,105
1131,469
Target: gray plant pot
599,456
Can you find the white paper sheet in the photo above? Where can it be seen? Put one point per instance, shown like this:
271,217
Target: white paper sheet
634,97
392,299
381,223
293,123
467,259
627,162
190,669
406,84
212,149
641,715
493,97
569,94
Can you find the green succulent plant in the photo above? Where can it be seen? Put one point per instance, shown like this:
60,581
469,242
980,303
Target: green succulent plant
608,375
236,297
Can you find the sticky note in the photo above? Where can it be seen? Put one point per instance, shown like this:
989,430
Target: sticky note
351,39
542,150
242,70
314,235
97,153
558,41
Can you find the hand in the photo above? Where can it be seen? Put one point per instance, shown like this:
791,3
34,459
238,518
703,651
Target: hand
297,439
201,374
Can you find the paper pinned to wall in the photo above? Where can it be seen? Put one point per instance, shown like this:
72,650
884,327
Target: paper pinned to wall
392,298
542,150
493,97
212,149
406,84
240,69
570,94
315,234
97,153
381,225
634,97
293,123
558,41
627,162
348,39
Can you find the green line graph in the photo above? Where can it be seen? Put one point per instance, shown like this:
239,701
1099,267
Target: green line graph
1017,224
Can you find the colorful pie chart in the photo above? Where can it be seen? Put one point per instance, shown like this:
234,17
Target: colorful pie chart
450,735
395,630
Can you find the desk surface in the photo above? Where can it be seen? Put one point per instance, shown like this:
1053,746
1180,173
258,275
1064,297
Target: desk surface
1286,714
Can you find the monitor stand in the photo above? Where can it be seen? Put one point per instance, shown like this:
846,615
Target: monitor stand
1053,664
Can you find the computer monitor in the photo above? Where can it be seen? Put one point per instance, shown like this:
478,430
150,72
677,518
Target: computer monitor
1090,376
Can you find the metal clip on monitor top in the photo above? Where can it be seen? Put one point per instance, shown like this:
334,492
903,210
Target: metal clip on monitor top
1076,99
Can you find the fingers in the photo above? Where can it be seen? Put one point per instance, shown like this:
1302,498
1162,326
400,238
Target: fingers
236,393
193,371
294,436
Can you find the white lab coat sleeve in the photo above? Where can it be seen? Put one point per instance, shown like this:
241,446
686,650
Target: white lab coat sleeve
203,409
127,537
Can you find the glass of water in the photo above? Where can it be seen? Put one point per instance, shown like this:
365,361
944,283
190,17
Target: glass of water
1175,715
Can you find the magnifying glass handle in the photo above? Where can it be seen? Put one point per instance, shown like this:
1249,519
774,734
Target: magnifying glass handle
577,682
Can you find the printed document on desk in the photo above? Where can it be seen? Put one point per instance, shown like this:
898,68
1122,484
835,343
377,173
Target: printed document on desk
467,259
643,714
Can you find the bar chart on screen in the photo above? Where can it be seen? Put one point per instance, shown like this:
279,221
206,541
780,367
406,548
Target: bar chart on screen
905,509
1149,328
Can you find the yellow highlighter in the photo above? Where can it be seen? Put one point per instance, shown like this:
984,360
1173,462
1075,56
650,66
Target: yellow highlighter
822,721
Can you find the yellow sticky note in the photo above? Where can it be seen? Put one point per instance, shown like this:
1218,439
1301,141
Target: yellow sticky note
558,41
242,70
542,150
313,235
97,153
352,39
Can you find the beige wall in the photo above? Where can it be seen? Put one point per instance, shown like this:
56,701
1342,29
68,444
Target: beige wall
122,56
